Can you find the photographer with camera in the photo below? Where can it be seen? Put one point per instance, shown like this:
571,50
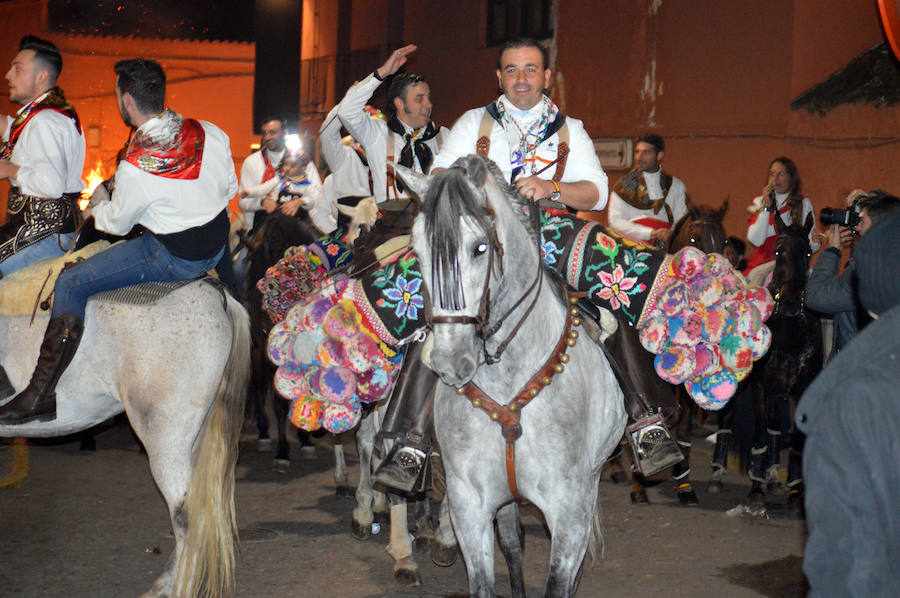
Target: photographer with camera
829,292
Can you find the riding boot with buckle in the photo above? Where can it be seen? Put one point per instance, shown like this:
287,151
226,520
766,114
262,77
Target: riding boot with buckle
38,400
6,387
408,421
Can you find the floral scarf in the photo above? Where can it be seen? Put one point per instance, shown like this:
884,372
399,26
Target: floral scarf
169,146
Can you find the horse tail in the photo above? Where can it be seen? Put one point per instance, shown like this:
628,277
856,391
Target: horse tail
206,565
595,547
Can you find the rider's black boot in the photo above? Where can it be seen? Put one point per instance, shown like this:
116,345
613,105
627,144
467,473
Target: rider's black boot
38,400
6,387
408,421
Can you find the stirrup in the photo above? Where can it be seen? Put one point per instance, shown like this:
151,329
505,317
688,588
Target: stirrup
402,468
652,445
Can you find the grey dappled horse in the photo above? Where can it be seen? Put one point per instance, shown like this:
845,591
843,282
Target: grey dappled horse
179,370
479,260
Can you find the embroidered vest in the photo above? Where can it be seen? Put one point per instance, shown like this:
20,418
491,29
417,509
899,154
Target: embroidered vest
633,191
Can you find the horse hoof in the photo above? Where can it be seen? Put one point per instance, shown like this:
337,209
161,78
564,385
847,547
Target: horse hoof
281,465
407,578
444,556
264,445
688,497
422,542
639,497
714,487
360,532
307,452
345,491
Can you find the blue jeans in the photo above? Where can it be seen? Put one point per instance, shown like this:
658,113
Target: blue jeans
144,259
42,250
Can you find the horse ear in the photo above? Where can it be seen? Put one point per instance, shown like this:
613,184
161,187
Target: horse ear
723,209
416,183
808,224
692,210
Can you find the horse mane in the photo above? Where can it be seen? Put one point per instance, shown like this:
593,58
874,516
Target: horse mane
455,195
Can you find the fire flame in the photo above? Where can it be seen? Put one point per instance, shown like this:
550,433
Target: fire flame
94,178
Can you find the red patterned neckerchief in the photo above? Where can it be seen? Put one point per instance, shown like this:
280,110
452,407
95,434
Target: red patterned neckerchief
53,99
169,146
269,172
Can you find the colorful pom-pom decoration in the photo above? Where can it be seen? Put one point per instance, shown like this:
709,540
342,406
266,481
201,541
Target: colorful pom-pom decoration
713,391
686,329
307,414
675,298
340,417
674,364
336,384
654,334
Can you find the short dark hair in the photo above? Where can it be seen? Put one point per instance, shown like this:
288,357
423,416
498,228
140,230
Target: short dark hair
46,53
399,86
878,204
269,118
652,139
145,81
523,42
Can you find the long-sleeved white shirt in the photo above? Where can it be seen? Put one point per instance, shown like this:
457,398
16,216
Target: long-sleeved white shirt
623,216
165,205
372,134
252,171
582,163
762,228
320,212
349,176
49,154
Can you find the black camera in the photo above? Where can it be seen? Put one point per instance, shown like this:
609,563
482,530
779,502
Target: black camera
847,218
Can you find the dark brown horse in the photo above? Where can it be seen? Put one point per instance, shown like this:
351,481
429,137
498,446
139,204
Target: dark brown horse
701,227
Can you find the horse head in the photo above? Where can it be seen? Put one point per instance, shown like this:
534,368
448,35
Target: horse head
792,253
467,236
702,228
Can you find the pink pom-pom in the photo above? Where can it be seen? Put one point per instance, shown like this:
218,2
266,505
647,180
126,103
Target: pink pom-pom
688,263
340,417
675,364
654,334
686,329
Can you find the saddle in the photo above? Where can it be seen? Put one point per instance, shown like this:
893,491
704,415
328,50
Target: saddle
25,288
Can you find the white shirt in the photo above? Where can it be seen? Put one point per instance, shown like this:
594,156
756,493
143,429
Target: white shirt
582,163
49,154
165,205
319,211
349,176
372,134
622,215
252,171
762,229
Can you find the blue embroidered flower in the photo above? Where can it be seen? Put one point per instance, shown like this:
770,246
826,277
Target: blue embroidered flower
548,252
409,302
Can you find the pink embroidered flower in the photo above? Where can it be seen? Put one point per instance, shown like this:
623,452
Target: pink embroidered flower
332,250
614,287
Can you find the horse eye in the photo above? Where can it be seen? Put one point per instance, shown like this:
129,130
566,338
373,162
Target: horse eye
480,249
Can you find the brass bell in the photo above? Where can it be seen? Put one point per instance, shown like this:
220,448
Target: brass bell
495,416
573,300
576,321
476,402
558,368
533,392
573,334
512,407
571,342
461,390
574,312
564,358
545,380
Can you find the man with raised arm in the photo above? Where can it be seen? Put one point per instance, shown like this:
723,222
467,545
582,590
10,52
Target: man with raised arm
646,203
409,137
169,159
546,154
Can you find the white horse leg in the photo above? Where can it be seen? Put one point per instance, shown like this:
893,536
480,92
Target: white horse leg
406,571
363,517
511,537
472,520
341,482
444,551
570,521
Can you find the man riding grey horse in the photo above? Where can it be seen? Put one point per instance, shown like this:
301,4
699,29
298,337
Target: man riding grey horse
547,156
169,158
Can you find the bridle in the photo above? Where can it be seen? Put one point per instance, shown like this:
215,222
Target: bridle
484,329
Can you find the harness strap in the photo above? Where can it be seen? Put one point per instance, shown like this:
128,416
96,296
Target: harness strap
507,416
483,144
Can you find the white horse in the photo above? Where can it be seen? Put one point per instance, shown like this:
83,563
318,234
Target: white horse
490,294
178,367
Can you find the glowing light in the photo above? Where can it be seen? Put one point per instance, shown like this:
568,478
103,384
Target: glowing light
293,143
94,178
